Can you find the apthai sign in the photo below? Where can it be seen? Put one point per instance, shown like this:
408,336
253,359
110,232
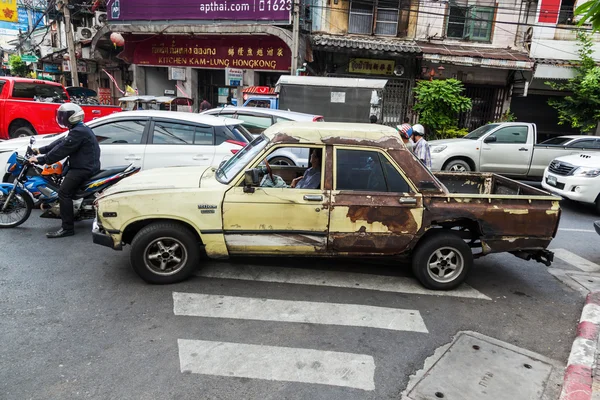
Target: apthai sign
8,11
263,53
371,67
271,11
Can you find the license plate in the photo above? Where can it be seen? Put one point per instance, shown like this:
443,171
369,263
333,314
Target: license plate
551,180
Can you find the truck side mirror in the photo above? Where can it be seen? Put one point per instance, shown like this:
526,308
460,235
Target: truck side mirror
251,179
490,139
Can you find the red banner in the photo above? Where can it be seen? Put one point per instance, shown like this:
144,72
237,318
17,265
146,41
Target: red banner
263,53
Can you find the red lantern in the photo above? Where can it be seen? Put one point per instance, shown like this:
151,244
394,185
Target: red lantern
117,39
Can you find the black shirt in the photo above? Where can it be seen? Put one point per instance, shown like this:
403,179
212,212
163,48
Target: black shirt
80,145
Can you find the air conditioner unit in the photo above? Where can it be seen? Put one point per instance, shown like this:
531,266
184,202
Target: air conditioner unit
100,18
84,34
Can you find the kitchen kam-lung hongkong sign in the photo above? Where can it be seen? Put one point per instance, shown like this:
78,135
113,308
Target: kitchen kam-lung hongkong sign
272,11
266,53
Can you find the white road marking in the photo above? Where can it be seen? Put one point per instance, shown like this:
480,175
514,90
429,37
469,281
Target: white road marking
582,352
577,230
342,279
591,313
576,261
217,306
277,363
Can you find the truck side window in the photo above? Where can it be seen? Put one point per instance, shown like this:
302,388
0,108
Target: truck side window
363,170
585,144
511,135
39,92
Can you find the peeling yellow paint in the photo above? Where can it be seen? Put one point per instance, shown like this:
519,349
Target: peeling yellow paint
516,211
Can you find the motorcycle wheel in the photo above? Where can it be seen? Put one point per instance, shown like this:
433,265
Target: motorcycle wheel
17,212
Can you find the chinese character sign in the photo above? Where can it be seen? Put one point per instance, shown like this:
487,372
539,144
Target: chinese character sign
371,67
271,11
8,11
263,53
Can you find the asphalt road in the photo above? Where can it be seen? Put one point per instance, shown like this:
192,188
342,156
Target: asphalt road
76,322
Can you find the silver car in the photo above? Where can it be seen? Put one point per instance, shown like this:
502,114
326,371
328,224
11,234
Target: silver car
258,119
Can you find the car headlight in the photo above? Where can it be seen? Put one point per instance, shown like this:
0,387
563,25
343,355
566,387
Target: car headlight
438,149
587,172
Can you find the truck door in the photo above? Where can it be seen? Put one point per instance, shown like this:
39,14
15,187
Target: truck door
375,210
507,151
3,128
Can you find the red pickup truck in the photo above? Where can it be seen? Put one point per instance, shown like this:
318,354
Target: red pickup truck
28,107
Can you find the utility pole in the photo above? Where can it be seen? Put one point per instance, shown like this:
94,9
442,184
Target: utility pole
70,43
296,36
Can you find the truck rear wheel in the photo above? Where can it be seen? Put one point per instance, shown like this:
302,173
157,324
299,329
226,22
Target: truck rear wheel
23,131
164,252
442,261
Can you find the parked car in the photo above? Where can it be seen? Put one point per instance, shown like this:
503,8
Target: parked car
256,120
151,139
506,148
374,198
28,107
575,177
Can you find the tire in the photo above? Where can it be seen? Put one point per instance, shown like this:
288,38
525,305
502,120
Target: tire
282,161
426,263
169,240
26,200
23,131
597,207
457,166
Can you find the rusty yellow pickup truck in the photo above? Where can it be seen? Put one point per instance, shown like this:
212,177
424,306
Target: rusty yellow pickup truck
364,195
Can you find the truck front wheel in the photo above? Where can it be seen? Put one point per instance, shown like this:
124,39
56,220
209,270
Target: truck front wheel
22,132
457,165
164,252
442,261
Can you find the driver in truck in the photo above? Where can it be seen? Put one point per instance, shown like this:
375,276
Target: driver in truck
312,176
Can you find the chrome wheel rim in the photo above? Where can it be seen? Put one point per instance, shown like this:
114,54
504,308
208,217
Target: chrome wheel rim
445,264
458,168
14,212
281,162
165,256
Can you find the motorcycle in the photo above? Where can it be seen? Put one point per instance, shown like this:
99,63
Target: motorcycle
35,183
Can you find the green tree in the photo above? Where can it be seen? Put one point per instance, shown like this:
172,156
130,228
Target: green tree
590,13
581,107
18,66
439,102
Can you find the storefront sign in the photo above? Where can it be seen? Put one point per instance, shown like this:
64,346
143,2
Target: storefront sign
371,67
8,11
234,77
81,67
176,74
52,68
269,11
264,53
104,96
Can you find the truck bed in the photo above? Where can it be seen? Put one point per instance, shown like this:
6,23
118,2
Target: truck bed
486,184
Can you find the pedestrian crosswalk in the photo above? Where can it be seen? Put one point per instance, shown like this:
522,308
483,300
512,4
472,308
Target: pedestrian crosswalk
289,364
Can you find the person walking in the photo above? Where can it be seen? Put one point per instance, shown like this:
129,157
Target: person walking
421,148
205,105
81,146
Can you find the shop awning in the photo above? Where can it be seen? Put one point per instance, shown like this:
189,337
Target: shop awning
547,71
364,43
476,56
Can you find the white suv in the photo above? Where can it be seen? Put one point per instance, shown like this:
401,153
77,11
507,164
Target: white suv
575,177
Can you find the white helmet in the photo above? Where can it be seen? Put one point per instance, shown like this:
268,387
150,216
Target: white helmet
418,129
68,115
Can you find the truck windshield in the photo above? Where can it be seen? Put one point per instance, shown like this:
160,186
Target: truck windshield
479,132
235,164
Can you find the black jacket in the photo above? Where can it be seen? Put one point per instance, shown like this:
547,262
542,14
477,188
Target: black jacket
80,145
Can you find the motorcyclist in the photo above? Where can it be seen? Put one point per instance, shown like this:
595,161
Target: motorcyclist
81,146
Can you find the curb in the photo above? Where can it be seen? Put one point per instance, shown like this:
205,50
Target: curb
579,374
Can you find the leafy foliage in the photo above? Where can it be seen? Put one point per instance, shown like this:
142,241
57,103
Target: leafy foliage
18,66
581,108
590,13
451,133
439,102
